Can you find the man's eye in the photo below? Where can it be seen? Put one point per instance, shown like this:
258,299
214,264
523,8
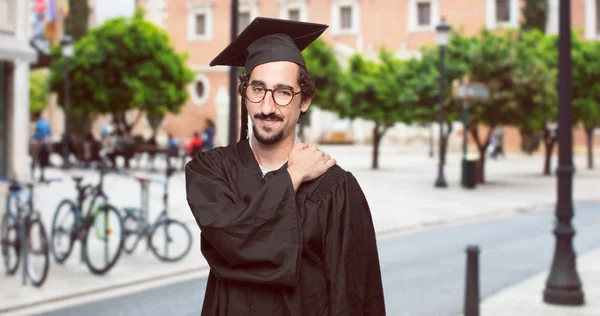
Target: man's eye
258,89
285,92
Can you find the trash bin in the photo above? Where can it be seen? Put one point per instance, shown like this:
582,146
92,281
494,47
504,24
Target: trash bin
470,173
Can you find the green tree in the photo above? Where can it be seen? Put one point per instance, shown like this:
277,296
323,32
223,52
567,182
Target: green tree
492,60
586,89
535,13
124,64
38,90
379,90
326,72
77,22
535,89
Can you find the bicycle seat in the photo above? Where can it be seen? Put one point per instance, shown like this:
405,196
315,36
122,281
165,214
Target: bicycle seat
141,179
77,179
14,186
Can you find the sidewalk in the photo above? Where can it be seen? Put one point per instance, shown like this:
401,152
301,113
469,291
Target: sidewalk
401,196
526,298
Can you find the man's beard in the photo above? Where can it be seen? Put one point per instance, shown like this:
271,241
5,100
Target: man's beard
270,140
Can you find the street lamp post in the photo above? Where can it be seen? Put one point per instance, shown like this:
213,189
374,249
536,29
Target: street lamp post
67,52
442,39
233,113
465,121
563,286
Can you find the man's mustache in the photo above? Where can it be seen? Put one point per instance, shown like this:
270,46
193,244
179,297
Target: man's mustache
271,116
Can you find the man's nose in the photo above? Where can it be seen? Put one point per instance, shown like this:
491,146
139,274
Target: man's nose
268,106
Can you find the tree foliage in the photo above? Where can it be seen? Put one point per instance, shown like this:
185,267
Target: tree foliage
122,65
586,88
326,72
77,22
535,85
38,90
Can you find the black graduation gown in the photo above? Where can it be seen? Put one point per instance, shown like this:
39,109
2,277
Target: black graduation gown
274,252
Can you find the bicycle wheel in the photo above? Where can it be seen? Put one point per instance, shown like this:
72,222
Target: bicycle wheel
37,252
170,240
131,234
10,245
62,233
103,239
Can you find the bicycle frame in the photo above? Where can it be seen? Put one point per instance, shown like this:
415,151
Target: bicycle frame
25,212
16,192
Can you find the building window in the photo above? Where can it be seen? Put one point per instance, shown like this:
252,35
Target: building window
423,15
598,17
293,10
199,90
294,14
243,20
424,11
502,14
200,22
502,11
247,11
345,17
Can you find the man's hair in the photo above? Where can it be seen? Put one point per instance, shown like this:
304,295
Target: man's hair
307,85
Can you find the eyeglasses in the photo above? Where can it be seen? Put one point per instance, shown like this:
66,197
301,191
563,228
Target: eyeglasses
281,95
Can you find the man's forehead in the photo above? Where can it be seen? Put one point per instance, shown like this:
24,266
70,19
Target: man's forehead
275,73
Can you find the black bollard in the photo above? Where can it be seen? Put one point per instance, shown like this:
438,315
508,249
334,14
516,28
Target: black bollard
472,282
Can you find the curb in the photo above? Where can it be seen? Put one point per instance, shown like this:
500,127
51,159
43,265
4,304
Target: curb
17,308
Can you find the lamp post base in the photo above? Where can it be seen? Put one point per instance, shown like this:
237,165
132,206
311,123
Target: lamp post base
564,296
441,180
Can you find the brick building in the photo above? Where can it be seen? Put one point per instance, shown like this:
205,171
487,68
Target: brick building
202,29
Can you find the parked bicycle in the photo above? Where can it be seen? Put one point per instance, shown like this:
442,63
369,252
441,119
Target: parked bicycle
23,233
101,223
170,240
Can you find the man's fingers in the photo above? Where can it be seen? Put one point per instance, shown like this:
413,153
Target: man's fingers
330,163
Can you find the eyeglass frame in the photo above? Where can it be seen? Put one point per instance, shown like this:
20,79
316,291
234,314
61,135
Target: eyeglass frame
272,94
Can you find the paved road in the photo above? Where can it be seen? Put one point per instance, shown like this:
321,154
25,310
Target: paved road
423,272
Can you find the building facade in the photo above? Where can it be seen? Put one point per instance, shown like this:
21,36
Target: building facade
16,55
202,29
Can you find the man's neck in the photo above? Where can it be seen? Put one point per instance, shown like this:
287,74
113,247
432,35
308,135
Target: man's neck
272,156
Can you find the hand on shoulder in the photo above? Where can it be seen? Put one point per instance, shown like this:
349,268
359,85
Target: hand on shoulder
307,163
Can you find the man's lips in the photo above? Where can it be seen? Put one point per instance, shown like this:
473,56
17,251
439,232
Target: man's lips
269,122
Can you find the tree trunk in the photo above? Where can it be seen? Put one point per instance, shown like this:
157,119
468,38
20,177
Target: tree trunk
482,148
549,142
445,141
378,132
589,132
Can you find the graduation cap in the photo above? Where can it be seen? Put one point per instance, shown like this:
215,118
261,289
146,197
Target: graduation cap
268,40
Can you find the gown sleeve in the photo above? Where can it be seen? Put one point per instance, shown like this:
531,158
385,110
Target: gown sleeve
252,239
351,256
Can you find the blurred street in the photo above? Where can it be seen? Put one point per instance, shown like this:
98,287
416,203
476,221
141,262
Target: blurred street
422,240
423,273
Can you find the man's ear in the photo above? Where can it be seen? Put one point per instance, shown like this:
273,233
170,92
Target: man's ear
305,104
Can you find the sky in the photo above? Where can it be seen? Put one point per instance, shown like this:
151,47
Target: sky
107,9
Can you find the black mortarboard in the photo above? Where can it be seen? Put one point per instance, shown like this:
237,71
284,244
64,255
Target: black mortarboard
267,40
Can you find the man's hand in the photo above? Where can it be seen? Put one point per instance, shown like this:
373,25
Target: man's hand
306,163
